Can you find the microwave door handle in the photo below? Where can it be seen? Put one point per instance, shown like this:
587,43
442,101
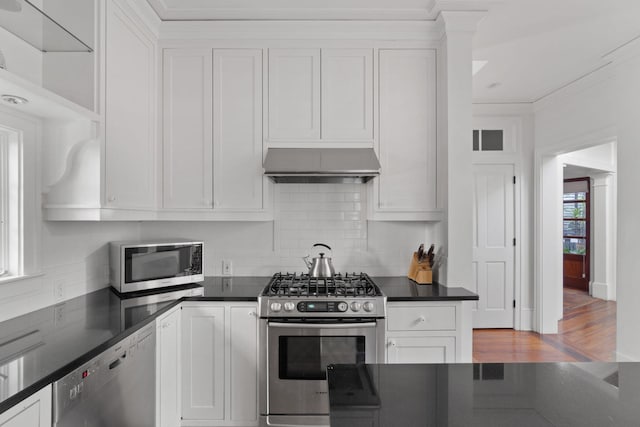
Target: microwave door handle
323,325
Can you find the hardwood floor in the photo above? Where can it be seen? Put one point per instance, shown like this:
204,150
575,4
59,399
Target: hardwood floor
586,333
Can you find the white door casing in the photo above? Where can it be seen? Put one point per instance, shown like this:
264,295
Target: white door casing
493,245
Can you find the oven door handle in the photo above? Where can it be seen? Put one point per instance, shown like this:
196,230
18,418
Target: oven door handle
323,325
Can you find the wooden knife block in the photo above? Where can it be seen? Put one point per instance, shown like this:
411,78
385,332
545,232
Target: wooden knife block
420,272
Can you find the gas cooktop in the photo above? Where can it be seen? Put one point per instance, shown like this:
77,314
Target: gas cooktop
342,295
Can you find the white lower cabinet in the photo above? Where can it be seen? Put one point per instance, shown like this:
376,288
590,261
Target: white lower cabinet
34,411
427,332
219,364
168,369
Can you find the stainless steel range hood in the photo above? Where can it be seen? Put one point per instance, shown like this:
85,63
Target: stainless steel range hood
321,165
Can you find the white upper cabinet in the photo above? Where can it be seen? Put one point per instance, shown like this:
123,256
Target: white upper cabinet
212,135
320,95
237,130
294,94
347,94
406,188
130,111
187,129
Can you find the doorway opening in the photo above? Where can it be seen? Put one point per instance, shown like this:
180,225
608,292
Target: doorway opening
576,228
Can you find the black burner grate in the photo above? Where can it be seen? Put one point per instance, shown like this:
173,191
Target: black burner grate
340,285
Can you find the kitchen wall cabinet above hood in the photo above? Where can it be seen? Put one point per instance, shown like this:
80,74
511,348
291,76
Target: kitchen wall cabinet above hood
321,165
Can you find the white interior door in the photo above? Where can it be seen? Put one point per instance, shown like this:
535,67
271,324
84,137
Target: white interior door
493,245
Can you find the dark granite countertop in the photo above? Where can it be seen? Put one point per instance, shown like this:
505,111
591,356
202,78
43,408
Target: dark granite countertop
404,289
51,342
513,394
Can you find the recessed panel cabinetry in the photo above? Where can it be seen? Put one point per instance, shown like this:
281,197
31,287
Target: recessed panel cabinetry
406,188
212,134
34,411
130,112
294,94
320,95
187,167
168,362
220,364
424,332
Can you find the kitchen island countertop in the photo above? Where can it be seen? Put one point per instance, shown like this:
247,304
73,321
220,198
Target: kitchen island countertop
513,394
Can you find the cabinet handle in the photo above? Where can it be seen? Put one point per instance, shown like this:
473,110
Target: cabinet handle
165,325
392,343
421,319
111,198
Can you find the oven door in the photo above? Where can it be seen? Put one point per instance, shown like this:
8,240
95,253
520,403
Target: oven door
298,355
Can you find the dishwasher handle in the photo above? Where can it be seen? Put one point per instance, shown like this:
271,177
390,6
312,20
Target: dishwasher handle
118,361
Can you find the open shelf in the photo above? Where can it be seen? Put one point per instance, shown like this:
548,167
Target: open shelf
42,102
28,22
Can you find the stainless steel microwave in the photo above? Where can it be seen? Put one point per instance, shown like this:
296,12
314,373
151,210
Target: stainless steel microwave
137,266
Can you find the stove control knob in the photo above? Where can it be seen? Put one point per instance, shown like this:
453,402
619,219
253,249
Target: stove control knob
289,306
276,306
342,306
355,306
368,306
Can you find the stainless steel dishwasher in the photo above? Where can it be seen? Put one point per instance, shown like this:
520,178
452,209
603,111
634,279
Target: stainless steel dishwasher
116,388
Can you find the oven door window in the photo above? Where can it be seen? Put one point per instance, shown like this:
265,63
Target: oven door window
307,357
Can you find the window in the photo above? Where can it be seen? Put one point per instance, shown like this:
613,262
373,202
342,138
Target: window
488,140
575,224
4,202
19,197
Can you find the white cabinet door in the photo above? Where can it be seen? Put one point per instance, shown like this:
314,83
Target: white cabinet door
237,129
34,411
243,360
203,364
347,94
187,129
294,94
130,111
421,349
407,140
168,369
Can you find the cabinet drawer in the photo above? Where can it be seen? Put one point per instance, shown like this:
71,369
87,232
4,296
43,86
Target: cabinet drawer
421,318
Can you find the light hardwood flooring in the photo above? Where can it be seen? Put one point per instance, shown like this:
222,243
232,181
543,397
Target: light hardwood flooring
586,333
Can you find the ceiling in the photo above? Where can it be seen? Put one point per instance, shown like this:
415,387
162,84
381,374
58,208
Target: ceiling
535,47
532,47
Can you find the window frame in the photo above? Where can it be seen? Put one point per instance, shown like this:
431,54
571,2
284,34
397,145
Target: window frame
22,141
4,202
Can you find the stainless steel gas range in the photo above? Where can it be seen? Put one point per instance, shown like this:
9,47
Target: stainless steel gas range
306,324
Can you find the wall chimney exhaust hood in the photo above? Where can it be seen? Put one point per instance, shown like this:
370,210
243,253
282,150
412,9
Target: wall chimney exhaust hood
321,165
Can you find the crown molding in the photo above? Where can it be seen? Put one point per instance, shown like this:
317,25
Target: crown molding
301,30
626,52
460,21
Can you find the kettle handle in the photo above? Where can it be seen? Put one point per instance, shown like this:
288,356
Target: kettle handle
322,244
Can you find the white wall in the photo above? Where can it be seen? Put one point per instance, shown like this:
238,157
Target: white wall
334,214
74,261
596,110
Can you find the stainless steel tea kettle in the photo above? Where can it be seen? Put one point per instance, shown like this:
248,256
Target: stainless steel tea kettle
320,266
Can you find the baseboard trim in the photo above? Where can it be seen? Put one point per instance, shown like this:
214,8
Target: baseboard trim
600,290
624,358
526,319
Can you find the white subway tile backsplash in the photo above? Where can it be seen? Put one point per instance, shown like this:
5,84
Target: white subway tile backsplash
305,214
